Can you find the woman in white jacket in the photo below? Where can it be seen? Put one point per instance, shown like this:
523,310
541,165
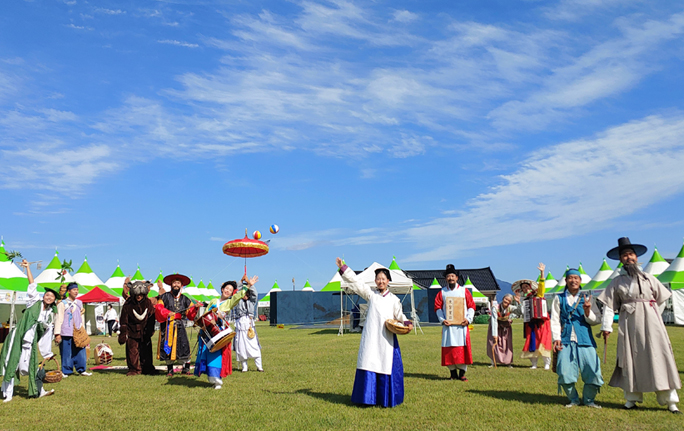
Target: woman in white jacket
379,370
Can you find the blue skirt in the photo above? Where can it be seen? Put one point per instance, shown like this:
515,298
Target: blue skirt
207,362
381,389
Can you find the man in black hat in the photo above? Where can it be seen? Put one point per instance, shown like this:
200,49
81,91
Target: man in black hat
645,362
19,356
172,312
456,352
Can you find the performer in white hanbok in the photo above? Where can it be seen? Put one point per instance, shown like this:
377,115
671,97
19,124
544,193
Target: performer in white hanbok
246,338
645,361
456,351
379,370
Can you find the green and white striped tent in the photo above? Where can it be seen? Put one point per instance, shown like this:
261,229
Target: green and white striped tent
116,281
601,287
307,287
87,279
266,300
192,291
50,275
583,275
11,277
560,286
214,293
673,277
601,275
204,293
550,285
435,284
657,265
478,297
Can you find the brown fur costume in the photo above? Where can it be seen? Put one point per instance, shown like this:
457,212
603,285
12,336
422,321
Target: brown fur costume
137,328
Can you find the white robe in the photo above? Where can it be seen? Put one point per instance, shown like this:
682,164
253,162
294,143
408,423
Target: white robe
377,343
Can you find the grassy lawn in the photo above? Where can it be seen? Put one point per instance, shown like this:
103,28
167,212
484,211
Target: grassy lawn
307,385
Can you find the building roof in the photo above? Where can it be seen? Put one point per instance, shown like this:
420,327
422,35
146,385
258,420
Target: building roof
482,278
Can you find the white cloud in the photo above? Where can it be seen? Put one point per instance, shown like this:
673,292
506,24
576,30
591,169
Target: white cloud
79,27
110,11
55,115
573,10
178,43
567,189
606,70
54,167
404,16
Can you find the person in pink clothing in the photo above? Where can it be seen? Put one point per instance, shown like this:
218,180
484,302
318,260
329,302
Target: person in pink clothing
69,316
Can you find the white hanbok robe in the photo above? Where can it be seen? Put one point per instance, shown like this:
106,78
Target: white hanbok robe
377,343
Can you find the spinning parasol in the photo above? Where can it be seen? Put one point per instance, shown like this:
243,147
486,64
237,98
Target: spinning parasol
245,247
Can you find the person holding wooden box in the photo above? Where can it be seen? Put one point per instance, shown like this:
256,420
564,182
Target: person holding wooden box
455,310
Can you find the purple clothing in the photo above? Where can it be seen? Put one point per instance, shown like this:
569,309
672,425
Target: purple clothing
72,317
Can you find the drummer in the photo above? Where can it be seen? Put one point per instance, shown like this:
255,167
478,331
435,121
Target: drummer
219,364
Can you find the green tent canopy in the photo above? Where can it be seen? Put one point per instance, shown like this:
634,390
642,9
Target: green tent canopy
601,275
11,277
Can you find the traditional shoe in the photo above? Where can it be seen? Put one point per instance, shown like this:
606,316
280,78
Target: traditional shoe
87,374
261,370
43,393
463,378
571,405
533,367
593,405
546,367
64,376
186,371
7,399
629,406
675,412
217,386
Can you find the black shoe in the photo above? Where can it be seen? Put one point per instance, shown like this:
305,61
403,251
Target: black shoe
675,412
169,371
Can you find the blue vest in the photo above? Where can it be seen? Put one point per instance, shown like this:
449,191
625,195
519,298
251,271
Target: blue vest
573,317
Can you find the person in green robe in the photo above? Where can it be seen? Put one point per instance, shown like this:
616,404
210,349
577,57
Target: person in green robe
33,334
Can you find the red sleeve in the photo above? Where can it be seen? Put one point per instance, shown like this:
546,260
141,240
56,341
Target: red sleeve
469,300
439,301
161,313
191,313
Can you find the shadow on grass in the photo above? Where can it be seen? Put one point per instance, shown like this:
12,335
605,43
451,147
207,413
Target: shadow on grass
327,396
188,382
426,376
326,332
529,398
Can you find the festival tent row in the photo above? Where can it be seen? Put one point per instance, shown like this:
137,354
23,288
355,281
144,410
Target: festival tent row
673,277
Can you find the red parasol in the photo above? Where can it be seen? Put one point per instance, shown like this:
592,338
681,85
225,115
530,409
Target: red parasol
245,247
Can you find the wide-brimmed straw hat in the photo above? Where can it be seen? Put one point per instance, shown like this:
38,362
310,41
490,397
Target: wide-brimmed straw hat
517,286
169,279
624,244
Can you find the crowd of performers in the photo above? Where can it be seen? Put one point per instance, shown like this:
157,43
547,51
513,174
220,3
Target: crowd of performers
644,360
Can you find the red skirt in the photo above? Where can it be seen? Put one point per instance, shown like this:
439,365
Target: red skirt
458,355
227,360
542,335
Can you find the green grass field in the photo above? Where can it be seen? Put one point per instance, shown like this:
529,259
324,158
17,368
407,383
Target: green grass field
307,385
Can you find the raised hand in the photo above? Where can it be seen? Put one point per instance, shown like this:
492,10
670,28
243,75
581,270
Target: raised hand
587,305
24,263
339,262
541,268
252,281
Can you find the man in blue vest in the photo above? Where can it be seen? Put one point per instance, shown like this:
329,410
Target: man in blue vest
571,319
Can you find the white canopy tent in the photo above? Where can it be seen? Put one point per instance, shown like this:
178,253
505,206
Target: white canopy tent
401,284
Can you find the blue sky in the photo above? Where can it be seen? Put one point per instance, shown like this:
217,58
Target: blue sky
479,133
